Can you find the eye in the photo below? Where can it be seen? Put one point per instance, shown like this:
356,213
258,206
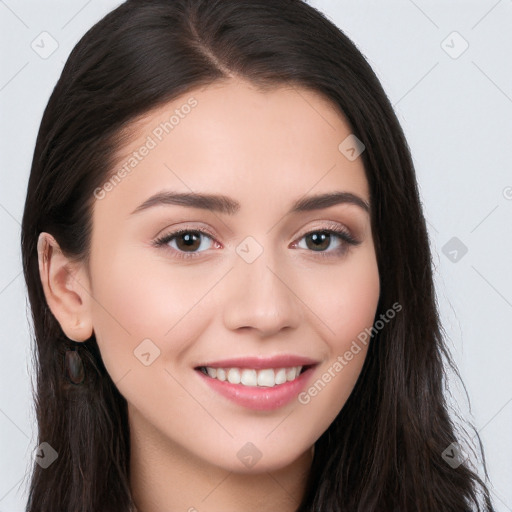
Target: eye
185,242
321,240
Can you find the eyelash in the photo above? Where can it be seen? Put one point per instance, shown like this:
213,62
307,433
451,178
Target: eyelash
343,235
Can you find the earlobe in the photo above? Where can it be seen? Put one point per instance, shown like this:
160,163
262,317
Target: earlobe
66,288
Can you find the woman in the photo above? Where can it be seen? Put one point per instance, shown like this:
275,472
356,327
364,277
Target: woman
230,276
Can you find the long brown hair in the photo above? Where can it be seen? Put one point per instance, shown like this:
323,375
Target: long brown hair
384,450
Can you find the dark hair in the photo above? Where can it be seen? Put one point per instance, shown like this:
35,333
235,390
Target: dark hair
383,452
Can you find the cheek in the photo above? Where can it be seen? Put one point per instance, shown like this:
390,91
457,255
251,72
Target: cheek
347,310
345,298
139,300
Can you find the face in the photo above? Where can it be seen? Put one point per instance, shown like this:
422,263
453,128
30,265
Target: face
229,339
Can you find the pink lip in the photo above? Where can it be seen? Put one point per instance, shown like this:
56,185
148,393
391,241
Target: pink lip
259,398
258,363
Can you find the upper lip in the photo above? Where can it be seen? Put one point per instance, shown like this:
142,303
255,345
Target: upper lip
279,361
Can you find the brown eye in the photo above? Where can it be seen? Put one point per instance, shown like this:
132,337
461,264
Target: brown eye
318,241
186,241
328,242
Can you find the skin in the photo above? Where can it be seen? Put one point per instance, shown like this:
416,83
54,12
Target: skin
265,150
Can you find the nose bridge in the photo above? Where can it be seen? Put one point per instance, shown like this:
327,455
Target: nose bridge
259,294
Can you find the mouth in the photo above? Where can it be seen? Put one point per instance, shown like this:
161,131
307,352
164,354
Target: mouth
255,377
257,383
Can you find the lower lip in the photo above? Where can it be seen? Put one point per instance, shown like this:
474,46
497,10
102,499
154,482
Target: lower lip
260,398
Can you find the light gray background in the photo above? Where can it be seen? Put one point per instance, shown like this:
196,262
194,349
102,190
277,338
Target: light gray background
456,111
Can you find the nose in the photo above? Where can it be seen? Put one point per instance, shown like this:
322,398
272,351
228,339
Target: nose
260,296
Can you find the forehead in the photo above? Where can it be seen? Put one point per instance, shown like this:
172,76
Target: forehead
230,137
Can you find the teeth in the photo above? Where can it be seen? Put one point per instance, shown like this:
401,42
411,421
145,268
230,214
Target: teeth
234,376
291,373
280,377
267,377
249,378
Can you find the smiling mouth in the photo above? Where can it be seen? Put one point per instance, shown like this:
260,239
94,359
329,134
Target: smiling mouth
251,377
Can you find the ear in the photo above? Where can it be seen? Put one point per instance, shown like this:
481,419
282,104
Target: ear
66,287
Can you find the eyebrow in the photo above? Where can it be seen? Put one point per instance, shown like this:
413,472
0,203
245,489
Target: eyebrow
224,204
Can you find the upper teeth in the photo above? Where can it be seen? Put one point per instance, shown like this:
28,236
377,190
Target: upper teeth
268,377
